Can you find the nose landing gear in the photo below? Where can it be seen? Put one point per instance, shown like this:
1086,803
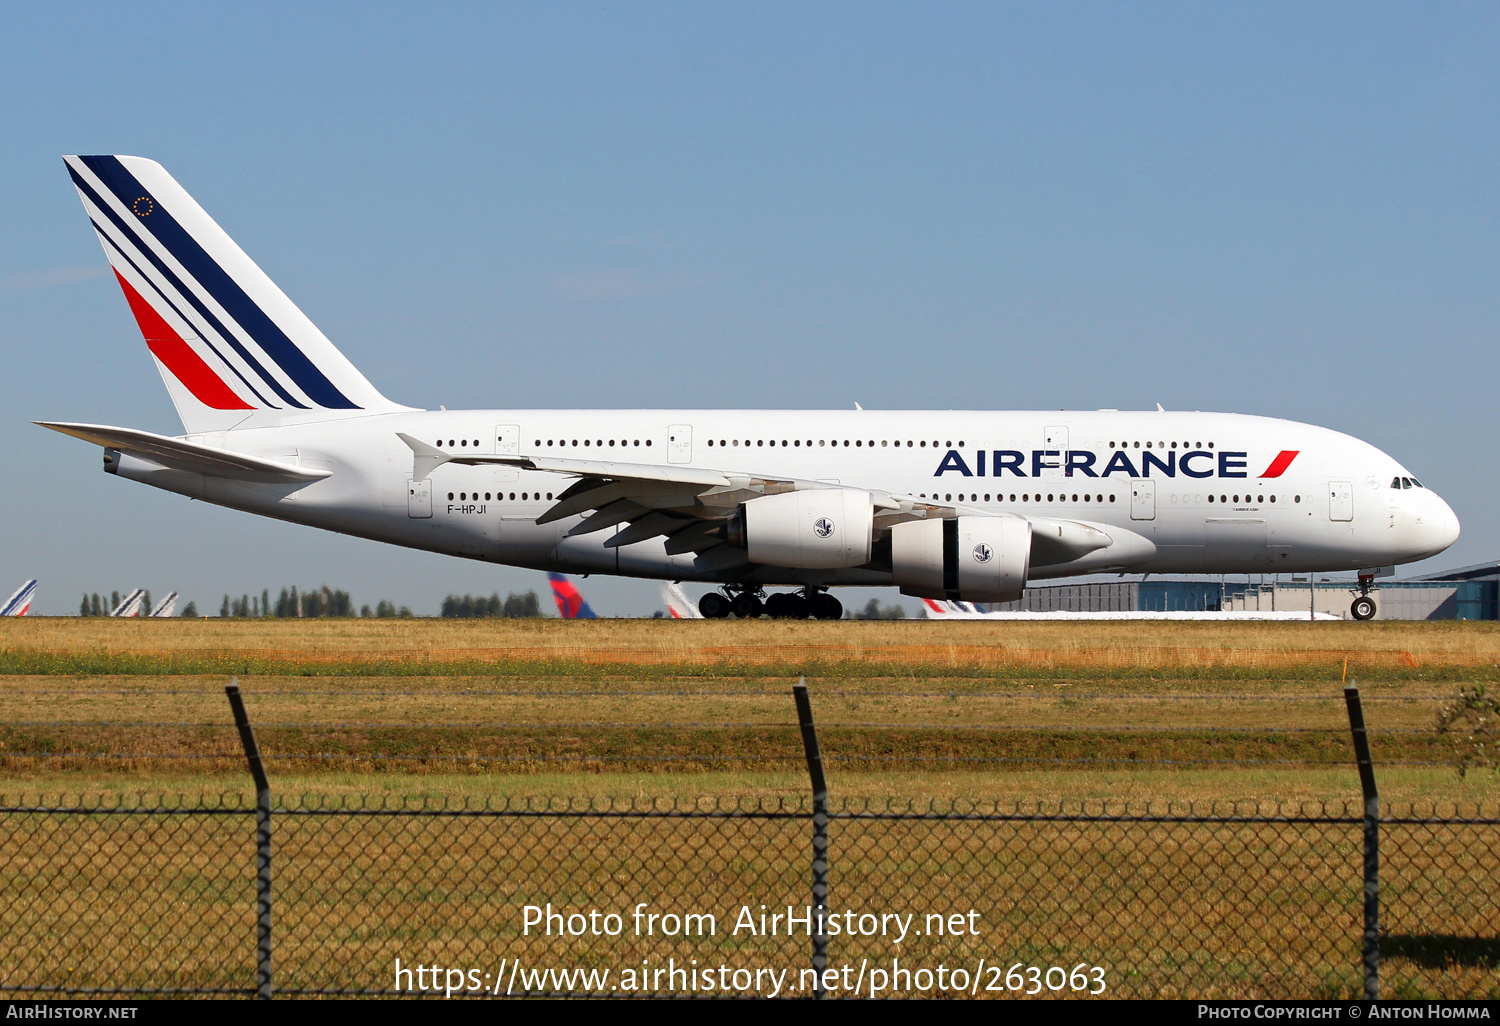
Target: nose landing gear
1363,607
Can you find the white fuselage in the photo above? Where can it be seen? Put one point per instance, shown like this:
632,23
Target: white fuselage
1188,491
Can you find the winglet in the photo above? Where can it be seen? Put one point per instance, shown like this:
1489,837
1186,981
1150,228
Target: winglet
425,458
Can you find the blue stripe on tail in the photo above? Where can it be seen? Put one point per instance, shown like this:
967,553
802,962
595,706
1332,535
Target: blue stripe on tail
226,292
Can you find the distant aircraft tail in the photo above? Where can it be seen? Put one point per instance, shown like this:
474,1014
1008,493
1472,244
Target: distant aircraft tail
167,606
20,602
233,350
939,610
130,605
679,606
570,602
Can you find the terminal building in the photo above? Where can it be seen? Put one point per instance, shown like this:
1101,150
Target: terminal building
1468,593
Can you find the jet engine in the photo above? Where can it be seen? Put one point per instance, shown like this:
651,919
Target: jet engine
970,559
816,529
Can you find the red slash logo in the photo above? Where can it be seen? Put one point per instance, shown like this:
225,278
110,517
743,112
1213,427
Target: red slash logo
1281,462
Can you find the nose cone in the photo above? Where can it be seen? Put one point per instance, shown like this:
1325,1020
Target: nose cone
1446,527
1433,528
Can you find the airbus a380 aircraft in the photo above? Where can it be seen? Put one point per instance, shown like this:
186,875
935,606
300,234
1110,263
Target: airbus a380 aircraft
953,505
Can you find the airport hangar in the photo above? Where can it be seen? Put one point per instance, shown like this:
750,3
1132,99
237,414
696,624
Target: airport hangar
1468,593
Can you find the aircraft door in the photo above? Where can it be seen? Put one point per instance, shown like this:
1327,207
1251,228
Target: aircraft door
419,498
680,443
1340,500
508,440
1143,499
1055,441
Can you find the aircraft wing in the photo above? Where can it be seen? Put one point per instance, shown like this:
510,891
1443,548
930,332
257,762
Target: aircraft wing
179,454
687,504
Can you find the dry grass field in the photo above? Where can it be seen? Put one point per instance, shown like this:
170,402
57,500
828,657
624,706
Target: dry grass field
1061,716
1145,710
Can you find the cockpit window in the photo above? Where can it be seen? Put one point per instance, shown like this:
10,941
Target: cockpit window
1417,483
1395,482
1406,482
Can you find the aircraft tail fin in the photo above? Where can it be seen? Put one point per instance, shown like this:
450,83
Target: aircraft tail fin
167,606
20,601
679,606
233,350
571,604
130,605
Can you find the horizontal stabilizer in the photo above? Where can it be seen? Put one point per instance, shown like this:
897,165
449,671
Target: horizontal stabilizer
193,457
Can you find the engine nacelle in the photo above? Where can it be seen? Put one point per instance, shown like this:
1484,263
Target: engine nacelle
969,559
816,529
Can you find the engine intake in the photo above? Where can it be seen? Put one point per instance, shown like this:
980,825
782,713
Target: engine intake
816,529
968,559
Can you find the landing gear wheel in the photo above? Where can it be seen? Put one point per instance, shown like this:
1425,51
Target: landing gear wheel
825,607
1363,608
748,606
779,605
797,608
713,606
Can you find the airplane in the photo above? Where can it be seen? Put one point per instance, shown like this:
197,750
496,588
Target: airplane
571,605
19,601
166,607
679,606
130,605
963,506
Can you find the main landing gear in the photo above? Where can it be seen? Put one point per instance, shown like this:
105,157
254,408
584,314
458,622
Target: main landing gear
1363,607
747,604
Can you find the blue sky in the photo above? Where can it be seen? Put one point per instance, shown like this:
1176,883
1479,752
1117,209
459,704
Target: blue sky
1283,209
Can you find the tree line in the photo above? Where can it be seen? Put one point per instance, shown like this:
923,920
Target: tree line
470,606
315,602
93,605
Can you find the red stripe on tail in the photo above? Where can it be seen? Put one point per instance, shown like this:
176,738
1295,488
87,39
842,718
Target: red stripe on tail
186,366
1280,463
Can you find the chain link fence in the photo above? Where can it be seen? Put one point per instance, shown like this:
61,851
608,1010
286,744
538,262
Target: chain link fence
176,896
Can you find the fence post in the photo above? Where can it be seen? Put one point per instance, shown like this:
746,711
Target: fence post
820,835
262,842
1372,841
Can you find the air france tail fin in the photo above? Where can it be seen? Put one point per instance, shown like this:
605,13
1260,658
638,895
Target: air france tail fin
130,605
20,602
167,606
233,350
570,601
679,606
